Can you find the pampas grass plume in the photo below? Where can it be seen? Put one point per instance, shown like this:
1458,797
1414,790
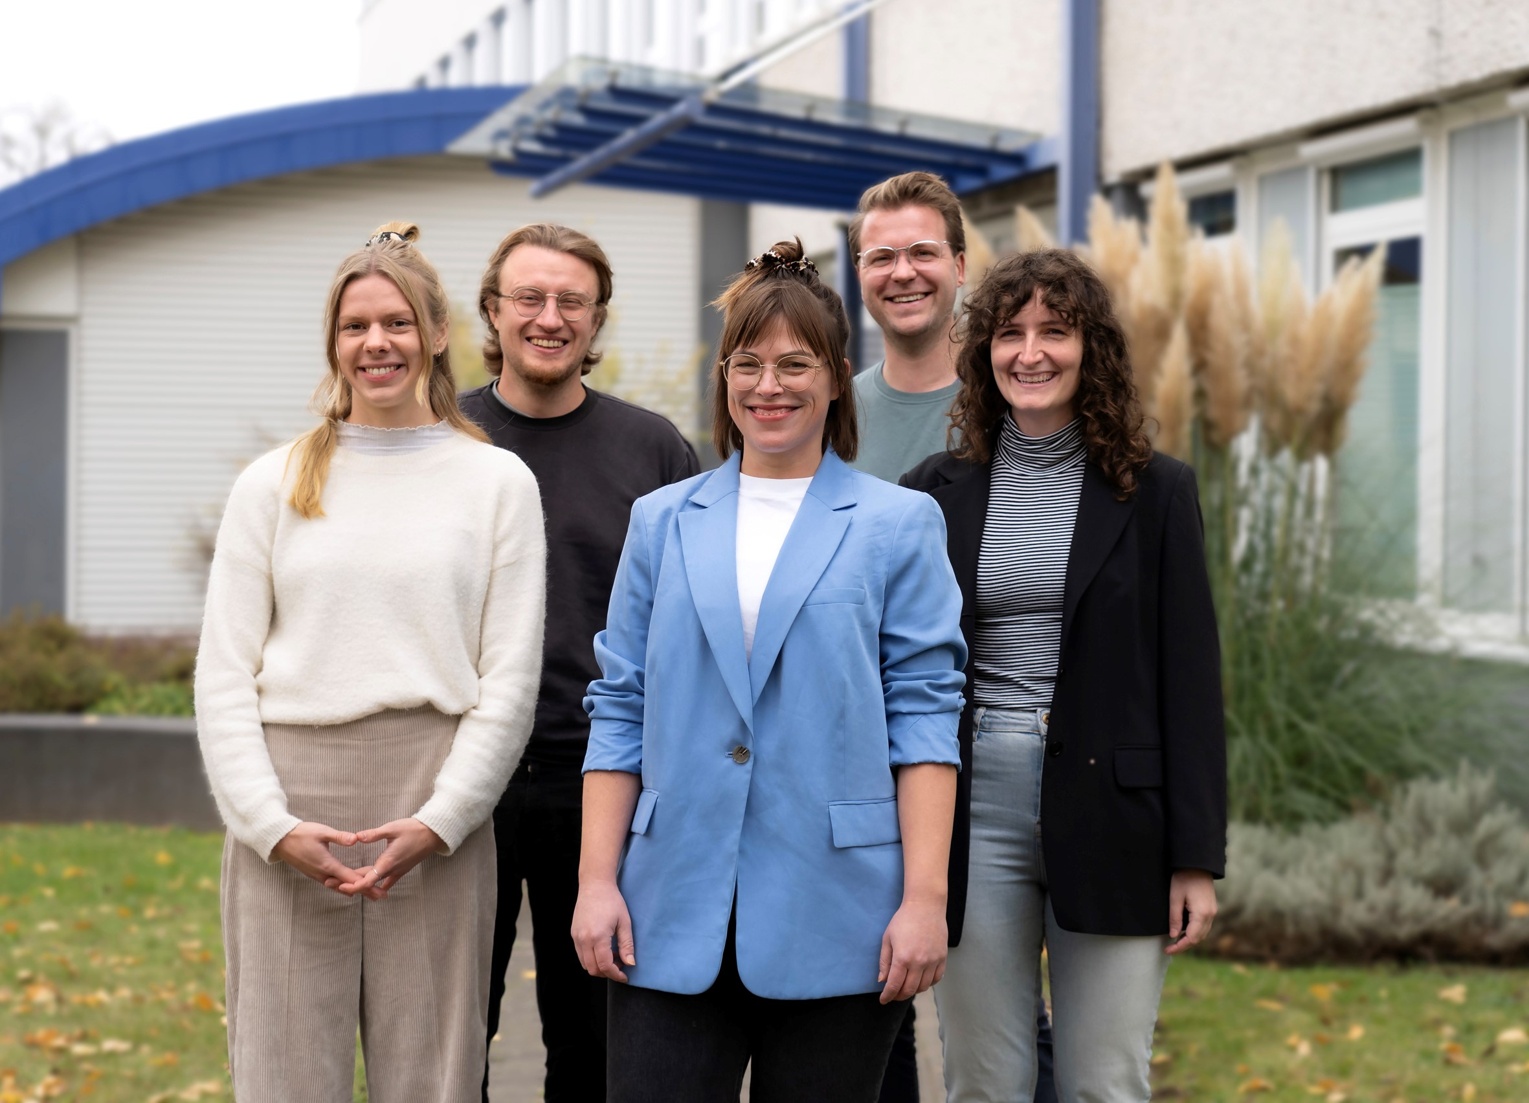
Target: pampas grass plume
1217,341
1356,291
979,252
1114,248
1029,233
1168,237
1174,401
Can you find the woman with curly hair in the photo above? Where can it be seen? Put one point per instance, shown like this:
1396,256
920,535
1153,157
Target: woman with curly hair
1091,811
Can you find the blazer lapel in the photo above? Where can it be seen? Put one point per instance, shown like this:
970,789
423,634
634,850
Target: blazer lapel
815,534
1101,520
964,501
709,538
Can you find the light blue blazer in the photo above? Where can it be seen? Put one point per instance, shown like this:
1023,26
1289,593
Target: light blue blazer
772,777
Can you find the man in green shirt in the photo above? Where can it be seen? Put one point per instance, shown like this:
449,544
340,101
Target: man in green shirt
909,249
910,254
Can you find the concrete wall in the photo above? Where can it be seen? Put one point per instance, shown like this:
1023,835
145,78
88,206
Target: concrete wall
1183,79
989,61
66,769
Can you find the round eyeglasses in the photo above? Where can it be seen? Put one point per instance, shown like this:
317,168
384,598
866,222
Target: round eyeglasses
529,302
744,372
920,254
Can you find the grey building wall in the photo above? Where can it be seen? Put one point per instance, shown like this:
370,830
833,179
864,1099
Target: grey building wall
34,407
1182,79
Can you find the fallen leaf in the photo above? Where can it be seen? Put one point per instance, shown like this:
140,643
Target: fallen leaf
1468,1092
1513,1036
164,858
1269,1005
1335,1097
115,1045
165,1060
1161,1059
1455,993
47,926
1519,909
1355,1032
1324,992
1454,1054
1257,1084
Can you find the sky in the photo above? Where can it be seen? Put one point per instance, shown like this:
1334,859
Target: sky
138,67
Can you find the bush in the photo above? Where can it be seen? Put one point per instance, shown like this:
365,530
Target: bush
151,699
48,665
1440,872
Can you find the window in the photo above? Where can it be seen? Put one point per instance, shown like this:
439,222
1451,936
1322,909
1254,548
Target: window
1484,453
1373,204
1214,214
1377,469
1382,180
1285,198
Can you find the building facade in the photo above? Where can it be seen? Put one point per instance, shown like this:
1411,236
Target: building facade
1398,125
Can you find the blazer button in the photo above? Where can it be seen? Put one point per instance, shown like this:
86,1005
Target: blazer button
1054,748
740,754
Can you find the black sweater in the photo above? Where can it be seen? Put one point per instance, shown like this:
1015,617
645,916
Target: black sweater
591,465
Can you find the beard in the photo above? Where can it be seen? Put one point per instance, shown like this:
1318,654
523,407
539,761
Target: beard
548,376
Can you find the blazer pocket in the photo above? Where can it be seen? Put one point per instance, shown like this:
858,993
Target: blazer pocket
1139,767
644,811
864,822
836,595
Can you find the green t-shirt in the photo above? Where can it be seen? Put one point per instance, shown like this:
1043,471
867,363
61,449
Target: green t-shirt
898,428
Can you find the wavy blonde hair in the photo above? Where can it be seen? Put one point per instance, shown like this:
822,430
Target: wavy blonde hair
414,276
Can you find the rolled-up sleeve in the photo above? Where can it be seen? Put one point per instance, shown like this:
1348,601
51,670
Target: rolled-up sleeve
923,654
616,700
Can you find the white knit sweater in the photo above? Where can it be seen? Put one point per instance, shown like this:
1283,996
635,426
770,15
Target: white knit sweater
423,583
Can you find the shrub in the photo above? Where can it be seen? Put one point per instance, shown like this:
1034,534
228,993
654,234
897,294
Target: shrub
1440,872
48,665
140,699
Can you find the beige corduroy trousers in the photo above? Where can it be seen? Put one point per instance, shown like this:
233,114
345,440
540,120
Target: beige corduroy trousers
308,966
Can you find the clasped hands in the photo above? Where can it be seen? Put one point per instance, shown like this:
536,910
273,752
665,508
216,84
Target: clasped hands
306,849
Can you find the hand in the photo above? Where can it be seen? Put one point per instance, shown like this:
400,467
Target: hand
306,849
409,843
1192,891
600,916
913,950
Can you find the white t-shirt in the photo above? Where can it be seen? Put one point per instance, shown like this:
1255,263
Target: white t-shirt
766,508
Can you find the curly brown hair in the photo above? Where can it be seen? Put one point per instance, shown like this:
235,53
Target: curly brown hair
1106,402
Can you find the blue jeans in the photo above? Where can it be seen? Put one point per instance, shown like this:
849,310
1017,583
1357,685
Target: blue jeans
1104,989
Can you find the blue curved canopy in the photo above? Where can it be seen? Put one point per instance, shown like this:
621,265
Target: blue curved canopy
612,125
149,171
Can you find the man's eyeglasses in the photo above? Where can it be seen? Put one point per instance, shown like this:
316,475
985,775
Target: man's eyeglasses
920,254
529,302
744,372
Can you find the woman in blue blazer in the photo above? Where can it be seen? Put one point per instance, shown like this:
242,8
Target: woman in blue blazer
771,775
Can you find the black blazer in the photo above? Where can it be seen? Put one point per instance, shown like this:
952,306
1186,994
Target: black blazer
1134,783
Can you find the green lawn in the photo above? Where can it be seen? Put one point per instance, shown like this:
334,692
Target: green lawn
1382,1033
111,988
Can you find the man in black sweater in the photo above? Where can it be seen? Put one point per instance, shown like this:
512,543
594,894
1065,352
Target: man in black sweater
544,296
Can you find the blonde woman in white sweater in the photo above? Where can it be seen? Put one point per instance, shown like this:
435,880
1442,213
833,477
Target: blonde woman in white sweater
366,681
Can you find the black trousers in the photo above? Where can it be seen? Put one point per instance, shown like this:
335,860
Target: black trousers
901,1083
666,1048
538,825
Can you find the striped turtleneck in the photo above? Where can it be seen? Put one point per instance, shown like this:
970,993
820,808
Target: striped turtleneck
1022,567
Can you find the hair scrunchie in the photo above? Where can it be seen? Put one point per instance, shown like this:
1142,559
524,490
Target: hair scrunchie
773,264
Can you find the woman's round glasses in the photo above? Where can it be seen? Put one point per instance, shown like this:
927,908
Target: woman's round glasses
793,372
529,302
